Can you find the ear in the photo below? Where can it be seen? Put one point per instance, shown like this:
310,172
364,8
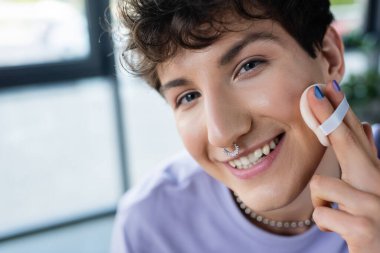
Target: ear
332,53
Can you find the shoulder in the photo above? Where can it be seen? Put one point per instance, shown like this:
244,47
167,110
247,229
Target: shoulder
172,176
178,184
149,210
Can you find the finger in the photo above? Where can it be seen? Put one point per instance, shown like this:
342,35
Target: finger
327,189
328,219
323,103
335,95
357,164
368,132
356,231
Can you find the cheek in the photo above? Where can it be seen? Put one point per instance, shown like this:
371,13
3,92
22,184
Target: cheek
192,132
280,103
280,97
288,80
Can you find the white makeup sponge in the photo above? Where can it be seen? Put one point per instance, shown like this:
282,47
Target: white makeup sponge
309,118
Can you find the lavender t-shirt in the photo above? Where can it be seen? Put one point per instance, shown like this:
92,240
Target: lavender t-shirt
181,209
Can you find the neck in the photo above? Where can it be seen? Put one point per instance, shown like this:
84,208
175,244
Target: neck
300,208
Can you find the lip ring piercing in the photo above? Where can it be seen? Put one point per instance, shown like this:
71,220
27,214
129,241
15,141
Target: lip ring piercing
234,153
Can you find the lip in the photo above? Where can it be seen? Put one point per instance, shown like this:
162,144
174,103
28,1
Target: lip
253,148
259,167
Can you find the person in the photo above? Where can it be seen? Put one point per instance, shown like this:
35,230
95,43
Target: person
254,177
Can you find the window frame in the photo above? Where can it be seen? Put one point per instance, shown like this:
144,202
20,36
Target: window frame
97,63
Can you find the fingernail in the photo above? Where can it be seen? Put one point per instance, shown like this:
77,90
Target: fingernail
336,85
318,93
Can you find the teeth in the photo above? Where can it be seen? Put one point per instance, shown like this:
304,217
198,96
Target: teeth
258,153
246,162
252,158
272,145
266,149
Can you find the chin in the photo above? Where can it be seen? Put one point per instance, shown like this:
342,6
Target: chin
270,201
277,195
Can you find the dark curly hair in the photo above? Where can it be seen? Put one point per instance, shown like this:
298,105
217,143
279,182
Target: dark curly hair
158,28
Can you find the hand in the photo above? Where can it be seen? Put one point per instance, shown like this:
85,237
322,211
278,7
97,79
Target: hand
357,193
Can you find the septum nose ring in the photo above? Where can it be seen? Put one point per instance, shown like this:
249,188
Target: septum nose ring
234,153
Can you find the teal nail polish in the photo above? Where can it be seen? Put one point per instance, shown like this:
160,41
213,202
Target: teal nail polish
336,86
318,93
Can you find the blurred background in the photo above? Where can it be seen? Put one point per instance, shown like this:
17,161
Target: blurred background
76,131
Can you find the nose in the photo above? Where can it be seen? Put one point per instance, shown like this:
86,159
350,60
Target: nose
226,118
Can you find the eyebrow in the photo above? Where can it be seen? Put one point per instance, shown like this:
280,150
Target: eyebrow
238,46
172,84
231,53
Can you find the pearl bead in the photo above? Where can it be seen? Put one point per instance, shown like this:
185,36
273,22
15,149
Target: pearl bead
272,223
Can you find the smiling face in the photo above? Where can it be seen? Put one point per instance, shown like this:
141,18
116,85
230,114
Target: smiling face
245,89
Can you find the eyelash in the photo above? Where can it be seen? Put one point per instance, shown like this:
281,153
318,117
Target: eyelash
256,62
179,103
